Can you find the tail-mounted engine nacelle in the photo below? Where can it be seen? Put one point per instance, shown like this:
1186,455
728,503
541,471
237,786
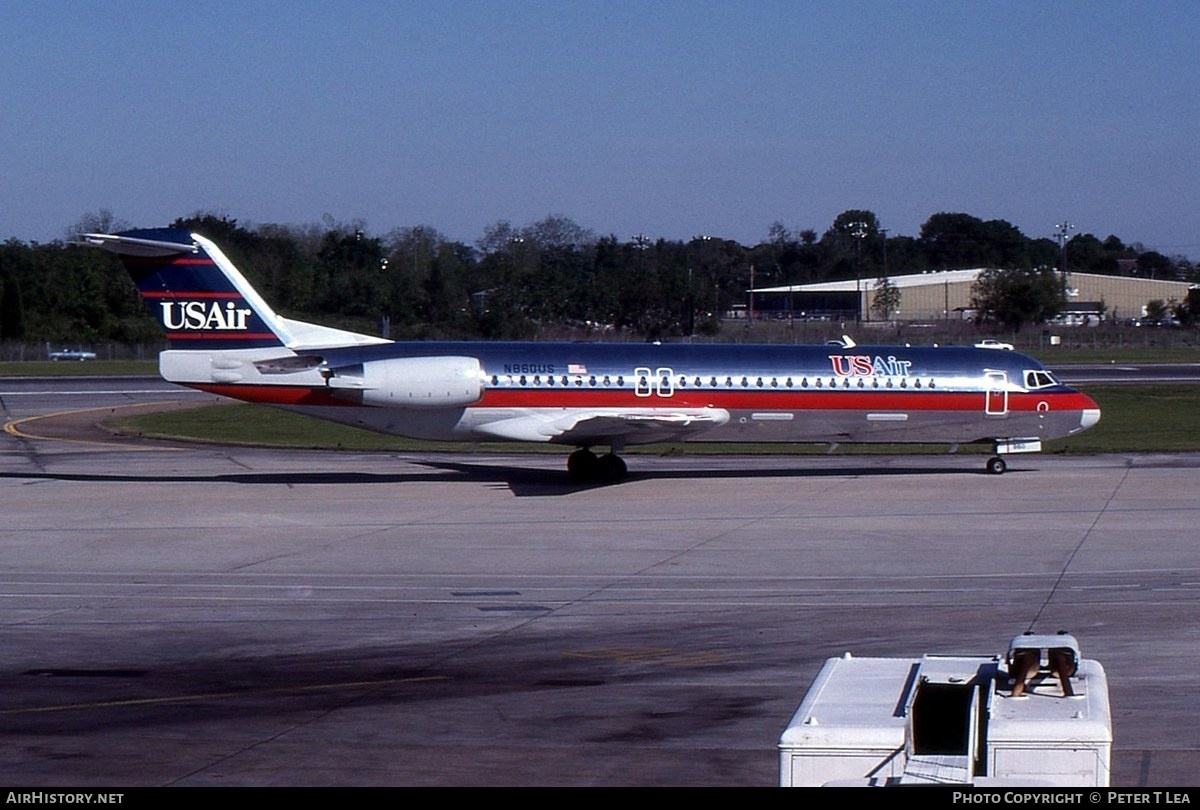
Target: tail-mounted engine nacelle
410,382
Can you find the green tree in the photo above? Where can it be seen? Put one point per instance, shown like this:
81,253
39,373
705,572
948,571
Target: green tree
1156,310
1085,253
953,241
12,311
852,247
1018,296
411,259
957,241
886,299
852,220
506,282
283,258
1187,311
350,270
102,221
1153,264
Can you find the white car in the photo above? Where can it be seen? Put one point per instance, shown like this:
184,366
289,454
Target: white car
993,344
72,354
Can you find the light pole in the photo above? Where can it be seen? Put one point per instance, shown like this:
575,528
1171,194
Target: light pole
859,233
885,281
1063,234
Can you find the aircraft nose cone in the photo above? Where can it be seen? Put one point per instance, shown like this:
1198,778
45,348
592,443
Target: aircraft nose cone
1090,414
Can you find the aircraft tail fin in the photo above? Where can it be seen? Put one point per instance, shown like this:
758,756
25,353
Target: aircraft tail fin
203,301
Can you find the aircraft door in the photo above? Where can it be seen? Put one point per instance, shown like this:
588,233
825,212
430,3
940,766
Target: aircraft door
646,383
643,385
666,382
996,400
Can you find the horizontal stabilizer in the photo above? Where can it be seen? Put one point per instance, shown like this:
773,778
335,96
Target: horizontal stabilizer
132,246
313,337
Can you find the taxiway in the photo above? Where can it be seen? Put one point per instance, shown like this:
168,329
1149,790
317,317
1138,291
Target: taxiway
215,616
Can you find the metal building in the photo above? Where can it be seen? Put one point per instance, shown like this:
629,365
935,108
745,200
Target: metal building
946,294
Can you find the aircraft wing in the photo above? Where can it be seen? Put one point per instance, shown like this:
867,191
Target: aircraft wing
601,426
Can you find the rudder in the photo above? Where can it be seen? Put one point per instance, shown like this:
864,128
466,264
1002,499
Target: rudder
197,295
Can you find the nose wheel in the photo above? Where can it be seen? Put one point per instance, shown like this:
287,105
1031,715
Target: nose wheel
585,467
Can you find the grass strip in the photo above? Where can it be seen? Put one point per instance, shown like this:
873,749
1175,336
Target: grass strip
69,368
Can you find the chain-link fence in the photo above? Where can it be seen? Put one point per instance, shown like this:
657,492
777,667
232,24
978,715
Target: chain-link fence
15,352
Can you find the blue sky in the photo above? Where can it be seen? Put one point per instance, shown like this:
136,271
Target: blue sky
670,119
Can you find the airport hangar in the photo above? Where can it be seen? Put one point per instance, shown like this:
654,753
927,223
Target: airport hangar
946,295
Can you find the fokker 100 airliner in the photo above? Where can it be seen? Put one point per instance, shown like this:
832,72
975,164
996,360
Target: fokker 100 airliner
225,339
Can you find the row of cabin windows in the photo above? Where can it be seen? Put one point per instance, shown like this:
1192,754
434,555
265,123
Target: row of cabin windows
643,383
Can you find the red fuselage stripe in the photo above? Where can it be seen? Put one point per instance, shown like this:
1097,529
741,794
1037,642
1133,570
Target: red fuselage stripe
221,336
276,394
866,402
179,294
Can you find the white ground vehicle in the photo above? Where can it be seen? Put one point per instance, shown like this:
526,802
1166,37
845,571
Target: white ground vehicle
1039,716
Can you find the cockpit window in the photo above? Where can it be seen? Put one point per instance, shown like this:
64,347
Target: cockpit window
1039,379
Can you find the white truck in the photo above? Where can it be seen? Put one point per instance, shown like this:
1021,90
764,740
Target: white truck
1039,716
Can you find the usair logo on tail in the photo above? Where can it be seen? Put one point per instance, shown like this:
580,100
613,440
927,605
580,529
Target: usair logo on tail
204,315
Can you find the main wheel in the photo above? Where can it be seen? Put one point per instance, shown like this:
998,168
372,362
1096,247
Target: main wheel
582,465
996,465
610,468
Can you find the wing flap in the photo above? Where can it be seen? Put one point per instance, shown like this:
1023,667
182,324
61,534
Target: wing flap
602,426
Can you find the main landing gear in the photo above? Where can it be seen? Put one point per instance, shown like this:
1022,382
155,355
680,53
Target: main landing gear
585,467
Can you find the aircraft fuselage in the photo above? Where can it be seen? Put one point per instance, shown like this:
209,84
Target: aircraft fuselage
755,393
